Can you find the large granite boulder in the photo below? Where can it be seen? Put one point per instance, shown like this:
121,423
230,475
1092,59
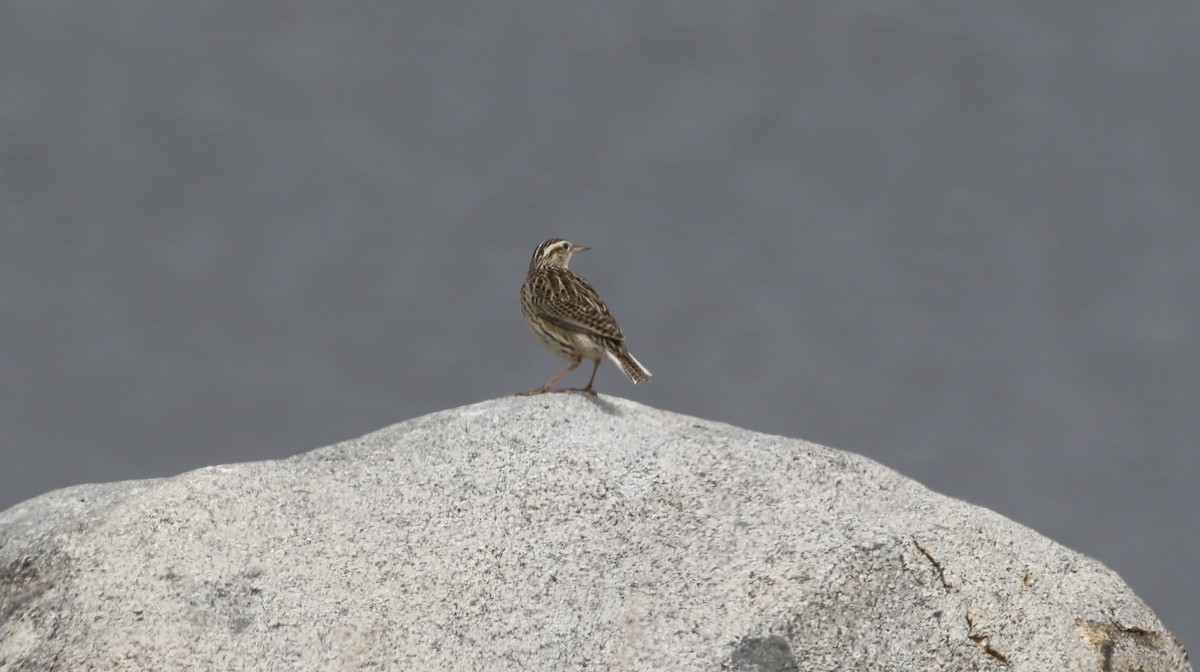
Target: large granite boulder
557,532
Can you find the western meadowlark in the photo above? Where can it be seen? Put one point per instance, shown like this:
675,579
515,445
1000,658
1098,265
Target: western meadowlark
570,318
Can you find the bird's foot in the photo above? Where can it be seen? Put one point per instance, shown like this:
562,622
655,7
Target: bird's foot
544,389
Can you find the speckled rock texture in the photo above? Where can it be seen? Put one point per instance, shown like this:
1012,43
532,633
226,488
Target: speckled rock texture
559,532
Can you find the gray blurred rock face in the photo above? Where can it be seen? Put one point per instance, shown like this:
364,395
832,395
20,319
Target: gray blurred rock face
557,532
939,224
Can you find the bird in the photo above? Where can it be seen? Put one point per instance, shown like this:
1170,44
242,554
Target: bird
571,319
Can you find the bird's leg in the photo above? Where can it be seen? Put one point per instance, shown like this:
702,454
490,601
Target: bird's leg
549,386
591,380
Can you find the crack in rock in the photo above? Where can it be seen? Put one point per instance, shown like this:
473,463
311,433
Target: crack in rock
985,640
941,572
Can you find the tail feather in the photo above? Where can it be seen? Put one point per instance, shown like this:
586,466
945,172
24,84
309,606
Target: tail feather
630,366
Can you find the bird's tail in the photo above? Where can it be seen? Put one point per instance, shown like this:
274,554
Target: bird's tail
630,366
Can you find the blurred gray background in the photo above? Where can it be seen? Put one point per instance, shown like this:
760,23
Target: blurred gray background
961,239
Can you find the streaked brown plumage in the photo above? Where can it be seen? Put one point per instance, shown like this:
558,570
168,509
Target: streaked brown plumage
570,318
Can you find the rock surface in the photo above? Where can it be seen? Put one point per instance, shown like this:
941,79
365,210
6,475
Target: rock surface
553,533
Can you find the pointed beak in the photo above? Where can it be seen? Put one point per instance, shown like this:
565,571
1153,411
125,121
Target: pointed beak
579,248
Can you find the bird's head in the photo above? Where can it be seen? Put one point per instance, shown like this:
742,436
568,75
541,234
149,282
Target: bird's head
554,253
